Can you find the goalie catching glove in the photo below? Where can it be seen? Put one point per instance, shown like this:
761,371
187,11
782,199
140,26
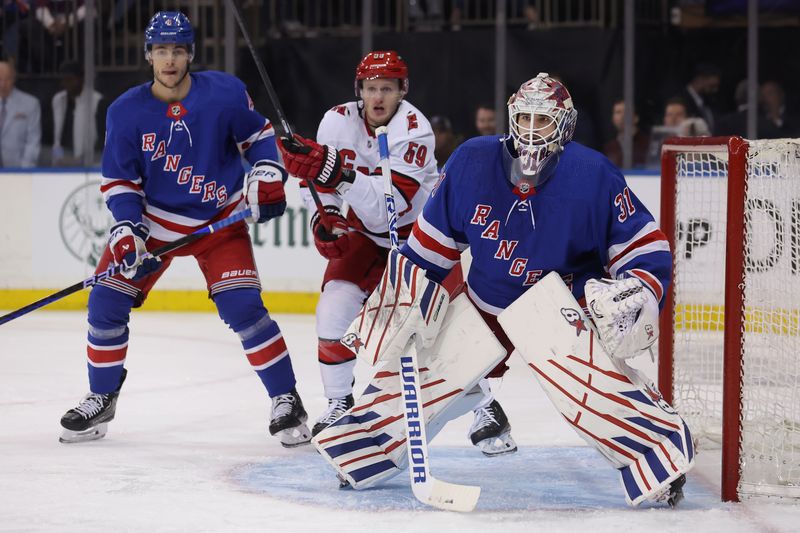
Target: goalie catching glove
319,163
264,192
126,243
625,313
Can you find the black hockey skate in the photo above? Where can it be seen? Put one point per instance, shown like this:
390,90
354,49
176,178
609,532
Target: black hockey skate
675,494
336,408
89,420
288,420
491,432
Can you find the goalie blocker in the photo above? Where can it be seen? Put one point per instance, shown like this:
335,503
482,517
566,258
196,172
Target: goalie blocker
609,404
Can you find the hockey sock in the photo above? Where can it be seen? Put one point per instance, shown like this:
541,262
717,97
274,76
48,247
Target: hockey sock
336,364
261,338
109,311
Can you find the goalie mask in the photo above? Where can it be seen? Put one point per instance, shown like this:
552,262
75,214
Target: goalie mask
541,118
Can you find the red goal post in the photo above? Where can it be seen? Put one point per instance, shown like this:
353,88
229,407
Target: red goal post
729,347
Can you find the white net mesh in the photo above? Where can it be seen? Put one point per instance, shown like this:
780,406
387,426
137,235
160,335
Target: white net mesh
770,453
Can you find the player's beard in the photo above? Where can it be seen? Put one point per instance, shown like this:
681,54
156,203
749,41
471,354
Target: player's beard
177,83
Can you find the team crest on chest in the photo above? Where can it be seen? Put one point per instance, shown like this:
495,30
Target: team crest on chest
176,111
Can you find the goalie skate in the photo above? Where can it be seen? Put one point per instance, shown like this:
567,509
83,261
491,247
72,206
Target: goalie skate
491,431
288,420
673,494
89,419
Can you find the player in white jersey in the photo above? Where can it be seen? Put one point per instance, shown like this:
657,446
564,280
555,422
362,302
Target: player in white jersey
343,165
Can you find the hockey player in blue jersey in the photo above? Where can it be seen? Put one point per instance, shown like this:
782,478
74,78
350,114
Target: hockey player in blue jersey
172,164
533,202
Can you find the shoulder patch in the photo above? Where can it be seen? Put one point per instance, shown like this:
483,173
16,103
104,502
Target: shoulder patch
413,123
341,109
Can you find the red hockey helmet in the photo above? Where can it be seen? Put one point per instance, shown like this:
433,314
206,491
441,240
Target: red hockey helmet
382,64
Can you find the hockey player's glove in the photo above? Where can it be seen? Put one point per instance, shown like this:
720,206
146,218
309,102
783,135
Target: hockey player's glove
264,191
625,313
330,244
126,243
318,163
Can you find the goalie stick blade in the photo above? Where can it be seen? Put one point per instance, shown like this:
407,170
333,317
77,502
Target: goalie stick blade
447,496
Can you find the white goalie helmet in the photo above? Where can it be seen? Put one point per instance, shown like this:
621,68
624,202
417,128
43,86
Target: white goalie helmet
541,118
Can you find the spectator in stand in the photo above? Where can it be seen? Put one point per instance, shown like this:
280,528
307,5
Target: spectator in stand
676,116
43,35
676,123
641,139
700,92
772,100
76,141
20,122
446,139
485,120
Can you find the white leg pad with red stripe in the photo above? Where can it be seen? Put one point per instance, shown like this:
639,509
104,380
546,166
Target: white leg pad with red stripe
610,406
367,445
405,304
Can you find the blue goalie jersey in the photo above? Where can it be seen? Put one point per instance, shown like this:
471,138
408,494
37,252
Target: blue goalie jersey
583,222
178,166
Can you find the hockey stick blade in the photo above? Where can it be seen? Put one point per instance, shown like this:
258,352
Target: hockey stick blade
449,496
426,488
113,270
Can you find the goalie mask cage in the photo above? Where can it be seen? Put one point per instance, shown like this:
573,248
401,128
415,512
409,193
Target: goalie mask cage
729,346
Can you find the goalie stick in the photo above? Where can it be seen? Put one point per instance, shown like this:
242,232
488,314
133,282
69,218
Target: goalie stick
276,104
426,488
114,269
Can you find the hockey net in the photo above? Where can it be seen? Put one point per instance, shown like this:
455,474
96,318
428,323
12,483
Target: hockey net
729,353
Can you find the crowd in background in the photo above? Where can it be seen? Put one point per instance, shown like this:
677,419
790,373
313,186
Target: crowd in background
691,112
73,118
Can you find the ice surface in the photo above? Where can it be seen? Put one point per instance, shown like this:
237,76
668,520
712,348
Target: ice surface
190,451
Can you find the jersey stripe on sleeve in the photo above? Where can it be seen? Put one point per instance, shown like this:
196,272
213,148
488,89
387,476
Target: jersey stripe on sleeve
649,280
647,240
113,186
434,246
265,132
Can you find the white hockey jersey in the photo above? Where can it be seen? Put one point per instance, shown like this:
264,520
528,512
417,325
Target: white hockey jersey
412,160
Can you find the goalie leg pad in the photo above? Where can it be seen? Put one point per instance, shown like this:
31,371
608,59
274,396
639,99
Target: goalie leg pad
367,445
625,420
405,304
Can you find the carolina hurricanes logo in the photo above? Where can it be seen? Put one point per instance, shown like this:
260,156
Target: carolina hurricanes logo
352,342
574,319
412,121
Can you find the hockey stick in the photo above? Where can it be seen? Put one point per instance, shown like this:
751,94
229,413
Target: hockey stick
426,488
113,270
273,96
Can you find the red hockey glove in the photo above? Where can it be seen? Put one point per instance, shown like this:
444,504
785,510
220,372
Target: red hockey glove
330,244
319,163
126,243
264,191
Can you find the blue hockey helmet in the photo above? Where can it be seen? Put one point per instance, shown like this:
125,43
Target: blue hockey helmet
169,27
